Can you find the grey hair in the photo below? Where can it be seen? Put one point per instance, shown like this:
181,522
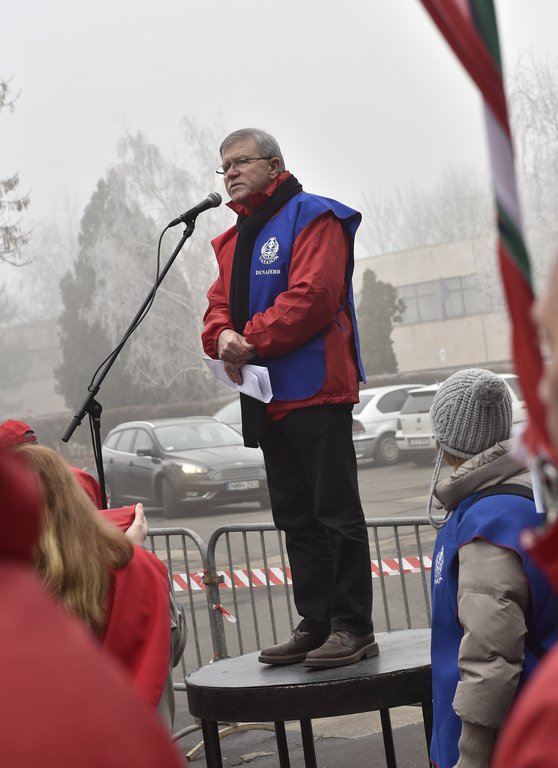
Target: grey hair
267,144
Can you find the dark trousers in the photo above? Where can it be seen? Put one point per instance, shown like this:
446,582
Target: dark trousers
313,485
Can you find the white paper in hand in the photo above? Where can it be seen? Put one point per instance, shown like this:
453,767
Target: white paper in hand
255,382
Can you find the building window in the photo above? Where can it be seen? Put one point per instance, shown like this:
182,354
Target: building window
443,299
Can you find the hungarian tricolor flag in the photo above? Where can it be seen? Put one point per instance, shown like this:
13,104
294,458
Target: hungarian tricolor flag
470,28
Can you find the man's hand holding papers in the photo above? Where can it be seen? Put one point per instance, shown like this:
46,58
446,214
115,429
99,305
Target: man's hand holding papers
255,379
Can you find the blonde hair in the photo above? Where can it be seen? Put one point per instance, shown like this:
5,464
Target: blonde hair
78,550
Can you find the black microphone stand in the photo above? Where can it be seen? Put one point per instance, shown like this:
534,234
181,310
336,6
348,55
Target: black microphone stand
90,405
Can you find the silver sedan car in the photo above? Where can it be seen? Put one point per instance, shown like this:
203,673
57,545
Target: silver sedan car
375,421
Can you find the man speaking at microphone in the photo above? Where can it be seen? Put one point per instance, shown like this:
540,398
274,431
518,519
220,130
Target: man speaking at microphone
283,299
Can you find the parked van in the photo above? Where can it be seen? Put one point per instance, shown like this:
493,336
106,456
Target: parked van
414,429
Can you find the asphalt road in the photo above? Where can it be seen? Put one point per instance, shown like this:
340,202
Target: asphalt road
395,491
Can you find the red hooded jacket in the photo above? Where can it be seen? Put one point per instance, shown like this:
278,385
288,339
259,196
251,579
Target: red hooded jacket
530,736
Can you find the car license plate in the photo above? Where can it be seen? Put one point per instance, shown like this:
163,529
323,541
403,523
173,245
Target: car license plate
419,441
242,485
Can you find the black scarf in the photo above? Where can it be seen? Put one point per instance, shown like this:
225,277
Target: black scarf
249,227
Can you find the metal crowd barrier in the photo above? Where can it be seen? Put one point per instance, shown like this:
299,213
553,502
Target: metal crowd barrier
236,591
183,551
401,561
256,595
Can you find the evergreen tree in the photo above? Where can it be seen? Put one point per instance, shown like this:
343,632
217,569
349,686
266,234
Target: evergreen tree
85,342
378,310
12,239
115,271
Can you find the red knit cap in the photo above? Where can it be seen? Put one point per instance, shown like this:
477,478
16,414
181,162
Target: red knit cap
13,432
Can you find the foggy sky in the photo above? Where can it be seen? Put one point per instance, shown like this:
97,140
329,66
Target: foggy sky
363,94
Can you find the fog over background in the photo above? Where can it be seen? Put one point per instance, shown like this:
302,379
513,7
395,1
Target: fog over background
120,111
363,94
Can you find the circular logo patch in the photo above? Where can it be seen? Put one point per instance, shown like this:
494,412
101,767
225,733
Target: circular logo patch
269,251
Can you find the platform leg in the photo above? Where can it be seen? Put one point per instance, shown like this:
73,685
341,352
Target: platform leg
427,717
308,744
282,748
212,746
387,734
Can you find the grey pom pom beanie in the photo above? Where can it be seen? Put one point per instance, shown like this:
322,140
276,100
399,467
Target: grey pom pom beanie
471,412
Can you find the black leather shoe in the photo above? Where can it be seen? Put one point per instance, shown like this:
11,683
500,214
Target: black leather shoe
342,648
293,650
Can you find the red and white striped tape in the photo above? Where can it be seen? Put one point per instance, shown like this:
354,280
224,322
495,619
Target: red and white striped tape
260,577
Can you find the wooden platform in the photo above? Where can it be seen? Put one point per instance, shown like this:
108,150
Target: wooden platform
240,690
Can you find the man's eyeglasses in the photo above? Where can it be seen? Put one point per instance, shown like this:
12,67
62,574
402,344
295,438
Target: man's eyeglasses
240,162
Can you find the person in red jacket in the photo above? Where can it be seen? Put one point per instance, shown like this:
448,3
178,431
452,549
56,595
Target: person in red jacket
131,519
14,432
283,299
530,737
63,703
120,591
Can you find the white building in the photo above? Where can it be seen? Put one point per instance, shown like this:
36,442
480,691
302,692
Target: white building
453,315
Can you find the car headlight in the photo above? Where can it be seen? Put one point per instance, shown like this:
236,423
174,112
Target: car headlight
193,469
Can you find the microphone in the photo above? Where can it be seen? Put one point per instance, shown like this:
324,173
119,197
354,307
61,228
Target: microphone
211,201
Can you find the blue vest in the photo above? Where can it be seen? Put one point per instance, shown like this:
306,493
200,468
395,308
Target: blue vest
301,373
498,520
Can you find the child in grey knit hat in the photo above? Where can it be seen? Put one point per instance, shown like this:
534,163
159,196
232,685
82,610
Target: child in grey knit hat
487,596
471,412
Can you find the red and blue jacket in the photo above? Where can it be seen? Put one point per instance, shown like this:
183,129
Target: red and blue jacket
303,322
